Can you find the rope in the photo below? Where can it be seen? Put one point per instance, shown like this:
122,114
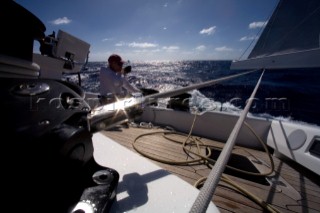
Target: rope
184,144
109,111
203,157
207,191
206,160
258,33
245,192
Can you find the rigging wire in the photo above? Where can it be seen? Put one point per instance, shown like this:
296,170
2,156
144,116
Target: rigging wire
259,32
206,160
207,191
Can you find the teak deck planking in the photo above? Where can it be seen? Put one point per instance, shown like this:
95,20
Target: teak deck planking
226,198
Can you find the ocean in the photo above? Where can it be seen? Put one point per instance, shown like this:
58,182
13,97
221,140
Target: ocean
292,95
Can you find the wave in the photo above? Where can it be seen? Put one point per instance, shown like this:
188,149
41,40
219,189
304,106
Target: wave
283,94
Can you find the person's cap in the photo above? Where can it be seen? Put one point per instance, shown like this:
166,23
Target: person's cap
115,58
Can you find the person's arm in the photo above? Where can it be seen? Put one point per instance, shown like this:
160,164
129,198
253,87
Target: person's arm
130,88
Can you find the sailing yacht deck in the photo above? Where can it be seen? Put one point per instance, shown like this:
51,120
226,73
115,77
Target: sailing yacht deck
293,189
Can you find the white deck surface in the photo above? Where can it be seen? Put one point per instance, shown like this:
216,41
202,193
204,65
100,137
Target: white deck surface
143,186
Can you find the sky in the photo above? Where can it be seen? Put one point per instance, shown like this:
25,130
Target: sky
153,30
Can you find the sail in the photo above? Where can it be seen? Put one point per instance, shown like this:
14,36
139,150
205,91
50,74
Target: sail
291,39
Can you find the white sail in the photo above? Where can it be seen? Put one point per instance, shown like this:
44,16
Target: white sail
291,39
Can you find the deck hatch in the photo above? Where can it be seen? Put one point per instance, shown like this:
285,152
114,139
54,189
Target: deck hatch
243,163
315,147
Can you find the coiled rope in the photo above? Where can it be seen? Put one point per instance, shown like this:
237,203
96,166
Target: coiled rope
190,140
206,192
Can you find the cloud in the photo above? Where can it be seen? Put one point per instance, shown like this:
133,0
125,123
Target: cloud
247,38
170,48
223,49
61,21
142,45
201,48
107,39
120,44
258,24
208,31
146,51
136,44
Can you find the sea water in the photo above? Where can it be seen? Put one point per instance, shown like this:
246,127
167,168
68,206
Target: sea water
283,94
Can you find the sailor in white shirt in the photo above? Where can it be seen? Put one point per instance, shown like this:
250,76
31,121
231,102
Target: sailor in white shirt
112,82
